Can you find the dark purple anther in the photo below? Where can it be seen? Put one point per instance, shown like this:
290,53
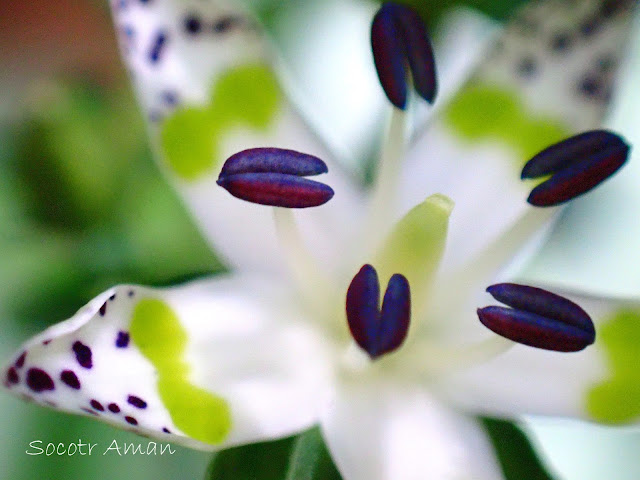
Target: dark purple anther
378,332
272,176
399,40
576,165
538,318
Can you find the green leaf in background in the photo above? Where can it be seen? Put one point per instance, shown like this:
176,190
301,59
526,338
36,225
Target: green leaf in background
517,457
303,457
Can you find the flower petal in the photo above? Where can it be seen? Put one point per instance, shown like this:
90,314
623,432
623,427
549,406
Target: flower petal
210,364
204,81
544,80
600,383
602,227
385,432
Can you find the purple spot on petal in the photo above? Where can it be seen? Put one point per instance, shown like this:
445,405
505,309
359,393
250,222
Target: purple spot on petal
131,293
112,297
166,430
103,309
122,341
83,354
157,47
97,405
131,420
136,401
113,408
46,342
70,379
20,361
192,24
38,380
12,377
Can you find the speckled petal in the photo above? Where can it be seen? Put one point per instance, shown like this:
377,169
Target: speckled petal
214,363
203,75
529,92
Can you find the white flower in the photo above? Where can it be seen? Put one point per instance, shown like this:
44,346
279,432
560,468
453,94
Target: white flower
266,351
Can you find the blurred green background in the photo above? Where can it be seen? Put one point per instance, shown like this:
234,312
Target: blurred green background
82,207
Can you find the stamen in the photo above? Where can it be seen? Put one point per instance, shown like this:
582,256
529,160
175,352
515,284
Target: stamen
378,332
315,285
398,38
576,165
271,176
382,207
538,318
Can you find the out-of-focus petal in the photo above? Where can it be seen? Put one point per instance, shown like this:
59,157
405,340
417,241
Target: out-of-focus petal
210,364
204,80
386,432
549,76
604,226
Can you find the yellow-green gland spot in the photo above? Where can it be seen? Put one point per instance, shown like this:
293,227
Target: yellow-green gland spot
617,399
157,332
247,96
482,112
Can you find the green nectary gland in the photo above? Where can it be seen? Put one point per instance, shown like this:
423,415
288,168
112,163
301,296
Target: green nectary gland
156,331
488,112
617,398
247,96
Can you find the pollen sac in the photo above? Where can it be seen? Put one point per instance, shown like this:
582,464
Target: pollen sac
275,177
576,165
538,318
378,331
399,40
